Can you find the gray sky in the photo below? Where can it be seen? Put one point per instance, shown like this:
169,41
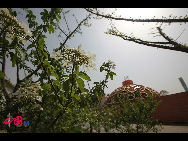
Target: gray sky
158,69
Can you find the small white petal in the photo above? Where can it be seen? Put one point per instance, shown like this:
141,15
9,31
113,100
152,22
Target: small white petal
81,49
5,10
54,55
58,52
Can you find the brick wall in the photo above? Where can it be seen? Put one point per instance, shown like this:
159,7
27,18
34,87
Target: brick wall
173,108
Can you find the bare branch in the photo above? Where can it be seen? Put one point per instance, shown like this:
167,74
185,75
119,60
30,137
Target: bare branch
164,45
180,34
170,40
73,32
138,20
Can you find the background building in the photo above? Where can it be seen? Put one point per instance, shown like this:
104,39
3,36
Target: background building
172,109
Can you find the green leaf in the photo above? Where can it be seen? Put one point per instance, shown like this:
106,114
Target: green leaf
112,74
84,76
101,68
57,83
13,58
76,69
51,29
96,83
54,74
41,42
57,111
80,84
73,92
1,74
45,54
66,86
44,15
77,97
57,10
14,42
86,90
94,98
111,77
46,86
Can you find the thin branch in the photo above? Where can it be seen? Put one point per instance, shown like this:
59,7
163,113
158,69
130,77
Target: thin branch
175,44
73,31
62,31
152,44
18,71
66,22
138,20
180,34
27,77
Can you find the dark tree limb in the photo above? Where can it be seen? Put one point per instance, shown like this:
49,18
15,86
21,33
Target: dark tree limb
163,45
170,44
137,20
4,88
170,40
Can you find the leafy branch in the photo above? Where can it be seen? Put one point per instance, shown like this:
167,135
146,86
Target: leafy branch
73,32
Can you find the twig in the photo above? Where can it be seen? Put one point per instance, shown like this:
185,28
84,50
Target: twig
180,35
73,32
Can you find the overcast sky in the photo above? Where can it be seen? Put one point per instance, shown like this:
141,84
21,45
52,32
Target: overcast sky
158,69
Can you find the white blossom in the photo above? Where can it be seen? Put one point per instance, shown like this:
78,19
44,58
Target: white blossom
10,38
112,64
56,55
91,60
26,28
5,10
53,55
23,40
80,49
39,98
65,63
58,52
91,56
76,56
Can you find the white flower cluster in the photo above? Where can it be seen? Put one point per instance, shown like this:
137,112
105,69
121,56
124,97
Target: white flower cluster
111,64
76,56
22,28
29,95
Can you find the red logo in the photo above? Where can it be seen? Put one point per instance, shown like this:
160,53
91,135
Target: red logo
17,121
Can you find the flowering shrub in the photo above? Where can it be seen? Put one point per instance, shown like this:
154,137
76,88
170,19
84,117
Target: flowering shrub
133,105
75,56
58,100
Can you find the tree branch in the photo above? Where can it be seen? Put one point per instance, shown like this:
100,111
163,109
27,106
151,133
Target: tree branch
27,77
4,88
73,31
138,20
177,47
66,105
170,40
18,71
